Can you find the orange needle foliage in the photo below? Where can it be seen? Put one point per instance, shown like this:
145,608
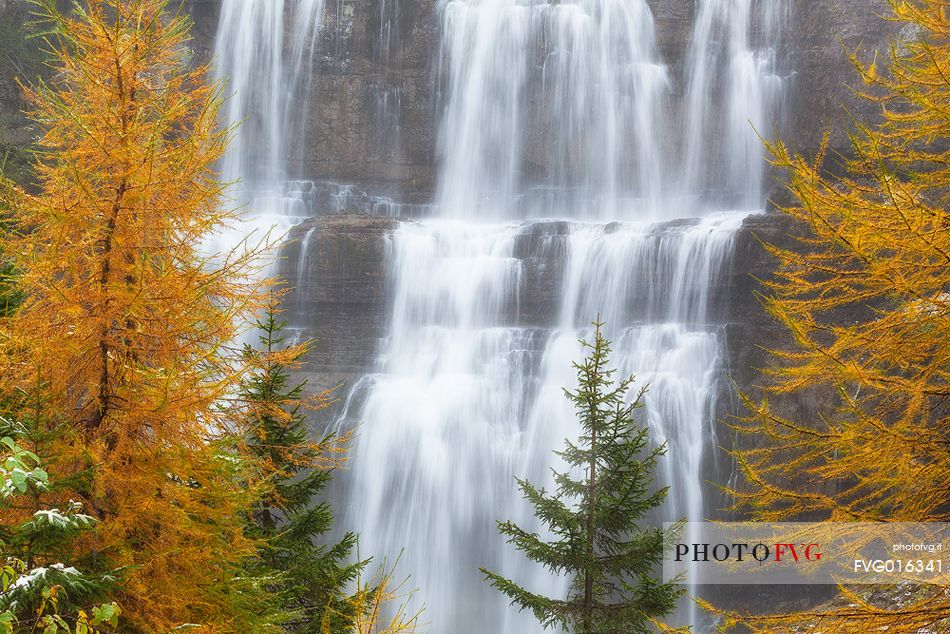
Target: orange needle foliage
125,323
867,301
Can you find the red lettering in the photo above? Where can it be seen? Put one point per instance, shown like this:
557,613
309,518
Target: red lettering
779,548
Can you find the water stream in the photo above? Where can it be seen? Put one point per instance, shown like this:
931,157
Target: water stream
265,69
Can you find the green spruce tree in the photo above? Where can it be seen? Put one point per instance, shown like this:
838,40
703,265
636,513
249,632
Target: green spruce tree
596,521
308,578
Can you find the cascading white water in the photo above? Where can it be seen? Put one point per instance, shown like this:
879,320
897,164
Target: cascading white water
552,110
265,72
727,70
389,94
301,281
583,76
464,398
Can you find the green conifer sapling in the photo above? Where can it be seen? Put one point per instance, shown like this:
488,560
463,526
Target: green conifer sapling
596,521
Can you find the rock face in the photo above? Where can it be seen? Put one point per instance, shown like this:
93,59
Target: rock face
371,120
822,34
337,267
21,60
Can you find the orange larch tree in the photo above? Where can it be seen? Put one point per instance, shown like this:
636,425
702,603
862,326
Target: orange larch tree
866,299
125,323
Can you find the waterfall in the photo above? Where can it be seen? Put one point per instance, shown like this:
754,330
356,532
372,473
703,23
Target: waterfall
389,94
558,157
465,397
728,70
302,277
578,172
599,93
264,69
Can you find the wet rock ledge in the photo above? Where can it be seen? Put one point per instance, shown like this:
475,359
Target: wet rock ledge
341,291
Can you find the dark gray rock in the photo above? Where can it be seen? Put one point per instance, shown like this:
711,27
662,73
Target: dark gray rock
21,60
822,34
341,300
